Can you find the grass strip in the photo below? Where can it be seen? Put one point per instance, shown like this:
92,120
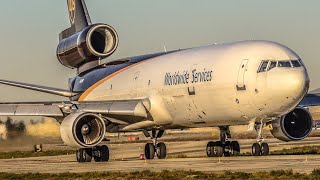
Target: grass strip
25,154
175,174
303,150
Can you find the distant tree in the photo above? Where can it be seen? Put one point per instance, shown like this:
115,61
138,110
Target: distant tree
15,129
9,124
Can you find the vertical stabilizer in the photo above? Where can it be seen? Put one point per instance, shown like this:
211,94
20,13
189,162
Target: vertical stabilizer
78,16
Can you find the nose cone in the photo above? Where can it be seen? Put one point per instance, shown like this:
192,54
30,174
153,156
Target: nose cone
297,84
291,86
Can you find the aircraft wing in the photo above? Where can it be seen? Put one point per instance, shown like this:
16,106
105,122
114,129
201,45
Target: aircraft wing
31,110
312,102
119,111
311,99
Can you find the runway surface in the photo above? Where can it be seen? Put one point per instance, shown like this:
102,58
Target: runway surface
125,157
60,164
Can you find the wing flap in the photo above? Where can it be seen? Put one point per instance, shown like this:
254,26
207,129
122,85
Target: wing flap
95,107
136,108
130,108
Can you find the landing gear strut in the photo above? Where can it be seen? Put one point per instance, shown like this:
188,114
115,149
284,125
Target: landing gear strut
98,153
260,148
224,147
155,148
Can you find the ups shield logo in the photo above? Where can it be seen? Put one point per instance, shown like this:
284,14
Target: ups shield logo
72,10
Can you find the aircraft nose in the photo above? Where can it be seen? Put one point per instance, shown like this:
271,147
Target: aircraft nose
297,84
291,85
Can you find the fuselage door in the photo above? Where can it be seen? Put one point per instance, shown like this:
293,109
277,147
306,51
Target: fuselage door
241,86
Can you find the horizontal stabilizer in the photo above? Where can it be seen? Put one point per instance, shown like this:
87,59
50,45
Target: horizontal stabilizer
49,90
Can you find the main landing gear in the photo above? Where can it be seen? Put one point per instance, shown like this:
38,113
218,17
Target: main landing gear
155,149
224,147
98,153
260,148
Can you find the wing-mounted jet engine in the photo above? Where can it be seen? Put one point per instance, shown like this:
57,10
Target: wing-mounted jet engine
83,130
294,126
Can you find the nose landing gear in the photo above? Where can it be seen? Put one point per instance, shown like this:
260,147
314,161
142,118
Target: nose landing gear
224,147
260,148
155,148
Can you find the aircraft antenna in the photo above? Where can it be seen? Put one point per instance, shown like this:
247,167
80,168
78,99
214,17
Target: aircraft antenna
165,48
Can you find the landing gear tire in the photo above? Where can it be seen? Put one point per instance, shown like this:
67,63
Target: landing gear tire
79,155
234,148
218,149
155,149
264,149
97,159
103,154
210,149
256,149
161,151
231,148
84,155
149,151
227,149
224,147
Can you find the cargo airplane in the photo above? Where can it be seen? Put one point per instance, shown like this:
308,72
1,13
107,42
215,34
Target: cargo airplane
254,83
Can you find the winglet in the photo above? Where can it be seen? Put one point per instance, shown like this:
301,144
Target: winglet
49,90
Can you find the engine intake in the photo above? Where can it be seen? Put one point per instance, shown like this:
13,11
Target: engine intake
83,130
93,43
294,126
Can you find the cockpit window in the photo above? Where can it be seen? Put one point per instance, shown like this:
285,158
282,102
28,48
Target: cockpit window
266,66
273,64
295,63
284,64
263,66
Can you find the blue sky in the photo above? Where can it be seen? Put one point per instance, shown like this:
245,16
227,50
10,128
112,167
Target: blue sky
29,32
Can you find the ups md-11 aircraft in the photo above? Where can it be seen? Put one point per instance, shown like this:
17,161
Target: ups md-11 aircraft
255,83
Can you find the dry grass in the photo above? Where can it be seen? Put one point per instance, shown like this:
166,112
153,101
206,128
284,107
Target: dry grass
48,128
25,154
176,174
298,151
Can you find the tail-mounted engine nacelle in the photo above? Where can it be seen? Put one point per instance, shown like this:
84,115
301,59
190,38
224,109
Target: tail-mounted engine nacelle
294,126
93,43
83,130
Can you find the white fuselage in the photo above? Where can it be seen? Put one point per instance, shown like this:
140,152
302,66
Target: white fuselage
210,86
